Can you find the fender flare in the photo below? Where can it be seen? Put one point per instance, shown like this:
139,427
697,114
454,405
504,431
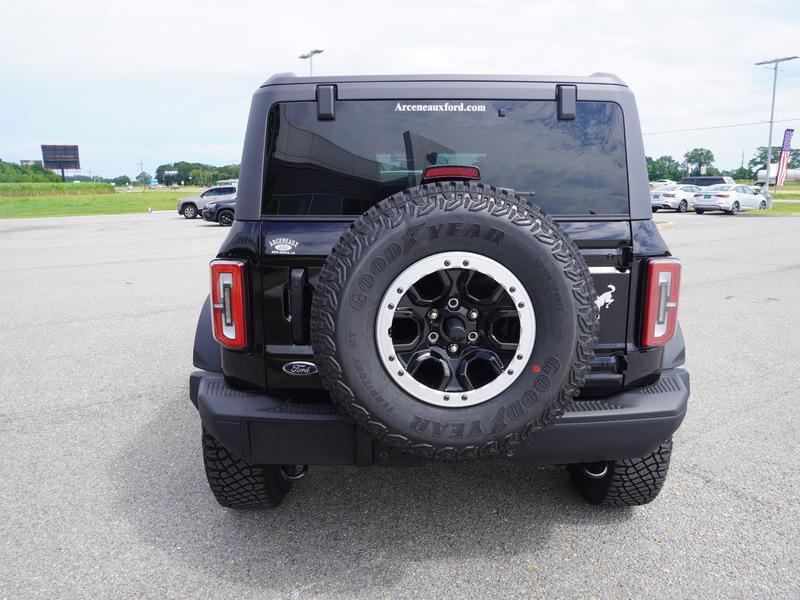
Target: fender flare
206,354
674,351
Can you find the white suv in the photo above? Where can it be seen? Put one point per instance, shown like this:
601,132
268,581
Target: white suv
191,206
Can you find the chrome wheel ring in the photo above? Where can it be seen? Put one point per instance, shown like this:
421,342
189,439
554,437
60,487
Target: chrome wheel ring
448,262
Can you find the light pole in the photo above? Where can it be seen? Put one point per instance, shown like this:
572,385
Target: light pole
310,57
774,62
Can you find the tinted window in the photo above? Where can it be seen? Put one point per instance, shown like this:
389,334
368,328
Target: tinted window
375,149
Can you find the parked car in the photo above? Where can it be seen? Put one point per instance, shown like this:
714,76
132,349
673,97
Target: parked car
707,180
220,211
190,207
679,197
730,199
385,297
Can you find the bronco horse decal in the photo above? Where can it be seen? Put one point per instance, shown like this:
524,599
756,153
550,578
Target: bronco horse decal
605,300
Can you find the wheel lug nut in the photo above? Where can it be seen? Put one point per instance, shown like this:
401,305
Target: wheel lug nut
452,348
472,315
433,337
472,336
453,303
433,314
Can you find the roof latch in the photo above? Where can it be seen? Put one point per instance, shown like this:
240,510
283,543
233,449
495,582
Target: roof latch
567,97
326,101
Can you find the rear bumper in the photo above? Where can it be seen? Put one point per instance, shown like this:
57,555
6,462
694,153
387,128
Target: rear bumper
712,206
269,430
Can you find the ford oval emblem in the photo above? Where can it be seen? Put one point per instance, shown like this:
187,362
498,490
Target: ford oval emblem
300,368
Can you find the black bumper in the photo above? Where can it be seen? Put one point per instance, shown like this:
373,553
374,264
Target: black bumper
270,430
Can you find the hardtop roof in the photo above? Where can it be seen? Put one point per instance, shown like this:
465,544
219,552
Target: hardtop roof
594,78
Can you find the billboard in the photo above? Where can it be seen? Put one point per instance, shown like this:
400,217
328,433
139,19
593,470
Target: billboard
60,157
30,163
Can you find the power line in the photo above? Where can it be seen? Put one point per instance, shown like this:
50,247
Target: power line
719,126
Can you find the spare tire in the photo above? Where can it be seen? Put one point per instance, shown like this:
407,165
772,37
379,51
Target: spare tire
454,320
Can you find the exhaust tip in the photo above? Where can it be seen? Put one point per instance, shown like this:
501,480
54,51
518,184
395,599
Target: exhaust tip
595,470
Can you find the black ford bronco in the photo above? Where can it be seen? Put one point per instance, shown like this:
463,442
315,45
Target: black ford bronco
441,268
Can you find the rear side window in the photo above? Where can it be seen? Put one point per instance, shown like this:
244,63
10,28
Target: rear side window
376,148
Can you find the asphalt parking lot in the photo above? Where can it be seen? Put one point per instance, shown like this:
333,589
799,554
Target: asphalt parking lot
103,490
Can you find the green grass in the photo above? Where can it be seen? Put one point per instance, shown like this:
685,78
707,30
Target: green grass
92,204
778,208
50,189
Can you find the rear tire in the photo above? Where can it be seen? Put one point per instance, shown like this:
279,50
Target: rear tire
238,484
683,206
699,211
225,218
763,205
734,209
189,211
630,482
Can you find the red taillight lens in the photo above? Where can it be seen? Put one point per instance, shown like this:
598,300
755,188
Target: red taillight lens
697,195
722,195
451,172
662,289
228,303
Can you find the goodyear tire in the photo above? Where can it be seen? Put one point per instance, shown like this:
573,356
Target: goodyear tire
454,321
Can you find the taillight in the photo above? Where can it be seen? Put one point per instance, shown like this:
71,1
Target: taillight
661,301
228,303
722,195
451,172
669,195
697,195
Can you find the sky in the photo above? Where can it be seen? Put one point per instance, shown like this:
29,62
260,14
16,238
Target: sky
162,81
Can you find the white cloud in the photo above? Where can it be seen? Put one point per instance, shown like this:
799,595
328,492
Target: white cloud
144,80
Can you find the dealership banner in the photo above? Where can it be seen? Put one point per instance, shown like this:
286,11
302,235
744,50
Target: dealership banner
783,163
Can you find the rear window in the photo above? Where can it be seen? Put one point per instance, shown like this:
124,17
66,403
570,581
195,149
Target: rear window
376,148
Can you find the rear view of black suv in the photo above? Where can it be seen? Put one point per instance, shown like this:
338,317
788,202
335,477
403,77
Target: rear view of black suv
441,268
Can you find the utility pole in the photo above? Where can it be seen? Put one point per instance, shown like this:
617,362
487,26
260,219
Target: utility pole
141,170
310,57
774,62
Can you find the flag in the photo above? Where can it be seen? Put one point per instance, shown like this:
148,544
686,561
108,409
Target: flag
783,163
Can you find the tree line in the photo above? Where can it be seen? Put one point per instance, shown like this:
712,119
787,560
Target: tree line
15,173
188,173
666,167
192,173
